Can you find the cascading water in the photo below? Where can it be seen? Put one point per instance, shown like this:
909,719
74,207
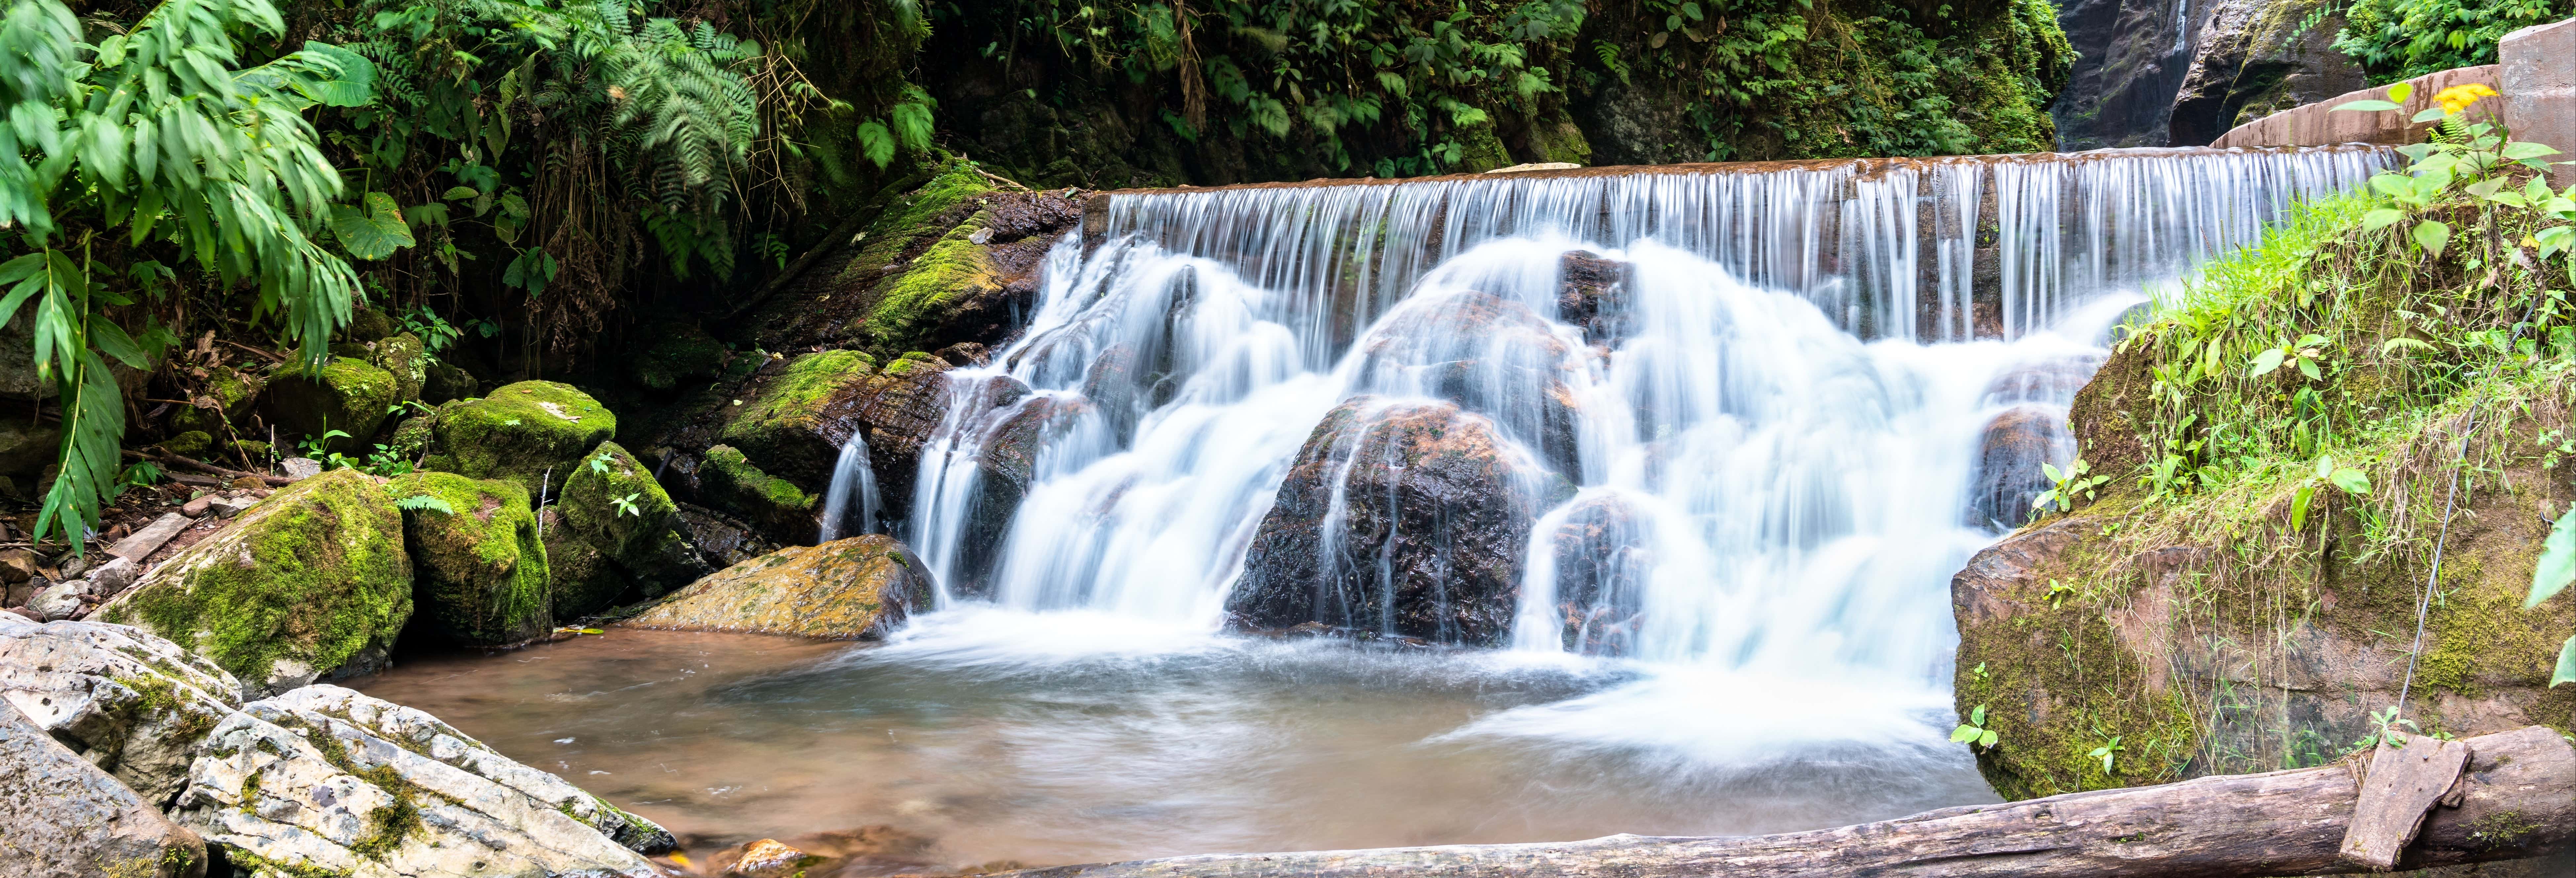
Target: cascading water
854,480
1710,438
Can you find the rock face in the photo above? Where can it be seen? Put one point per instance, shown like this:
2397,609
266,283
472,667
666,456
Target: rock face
2009,455
853,588
1602,554
1491,356
135,705
328,780
781,511
1406,518
784,425
479,569
311,583
2131,57
68,819
530,433
2253,58
347,394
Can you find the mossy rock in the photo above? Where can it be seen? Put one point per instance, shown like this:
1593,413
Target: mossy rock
479,565
346,394
859,587
531,433
444,381
413,436
233,391
367,323
680,354
781,511
583,579
783,425
193,443
590,508
311,583
402,356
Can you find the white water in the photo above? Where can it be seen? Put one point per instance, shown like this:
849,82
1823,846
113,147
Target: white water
1785,421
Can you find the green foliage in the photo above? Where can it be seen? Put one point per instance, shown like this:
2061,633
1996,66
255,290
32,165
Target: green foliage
424,503
2078,480
2404,39
159,147
1974,732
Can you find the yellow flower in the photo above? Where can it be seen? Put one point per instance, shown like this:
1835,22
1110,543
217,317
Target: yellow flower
2459,97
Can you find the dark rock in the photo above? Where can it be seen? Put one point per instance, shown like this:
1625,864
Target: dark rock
2253,58
678,354
1427,537
1602,559
348,395
782,512
2131,57
1491,356
479,567
897,414
583,580
724,541
1006,468
964,354
366,323
2009,455
446,381
1592,295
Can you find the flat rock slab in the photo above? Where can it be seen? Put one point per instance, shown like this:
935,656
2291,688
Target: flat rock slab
143,542
2403,785
61,817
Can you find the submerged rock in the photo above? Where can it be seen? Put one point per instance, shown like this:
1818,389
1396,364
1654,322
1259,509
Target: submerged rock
329,781
2010,452
1403,518
65,818
480,568
312,583
347,394
858,587
530,433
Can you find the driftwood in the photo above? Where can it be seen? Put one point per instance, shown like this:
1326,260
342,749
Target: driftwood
2517,800
167,459
2403,785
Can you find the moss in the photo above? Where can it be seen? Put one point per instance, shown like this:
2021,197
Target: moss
347,395
402,356
193,443
910,305
2501,828
232,391
581,581
782,424
781,510
530,433
680,353
481,569
366,323
590,506
315,573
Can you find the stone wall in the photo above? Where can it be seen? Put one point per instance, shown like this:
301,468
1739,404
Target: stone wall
2536,75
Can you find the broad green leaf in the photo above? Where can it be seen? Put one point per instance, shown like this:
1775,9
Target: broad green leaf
2566,672
2372,105
2299,506
372,230
1964,734
2308,367
2352,481
2557,565
2401,91
2521,149
1988,739
2325,466
2051,470
2265,362
2432,235
354,87
2398,185
2429,114
112,341
455,193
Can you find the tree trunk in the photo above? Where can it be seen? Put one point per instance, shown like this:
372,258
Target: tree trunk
2517,800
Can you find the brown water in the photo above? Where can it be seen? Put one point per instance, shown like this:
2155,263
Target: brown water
1123,745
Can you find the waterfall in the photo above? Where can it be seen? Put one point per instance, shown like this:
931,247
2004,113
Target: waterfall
1746,441
853,478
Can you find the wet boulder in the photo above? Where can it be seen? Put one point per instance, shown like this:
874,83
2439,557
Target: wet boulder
133,704
1005,469
1601,556
776,507
1592,295
787,424
1491,356
66,818
852,588
2010,453
614,503
227,396
530,432
480,568
346,394
323,780
1409,519
723,541
311,583
896,412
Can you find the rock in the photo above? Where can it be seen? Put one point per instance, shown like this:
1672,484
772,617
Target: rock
1431,537
312,583
113,576
479,569
785,427
680,353
858,587
198,507
366,323
1592,295
71,566
721,540
2253,58
193,443
59,601
347,394
582,581
2009,455
1602,554
26,449
228,507
326,780
1491,356
2131,56
782,512
627,532
17,565
229,395
765,858
402,356
134,549
1006,468
68,819
897,411
531,433
135,705
441,382
297,468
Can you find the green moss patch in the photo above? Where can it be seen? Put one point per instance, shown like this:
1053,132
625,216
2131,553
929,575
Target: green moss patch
781,425
780,510
530,433
590,507
347,394
480,567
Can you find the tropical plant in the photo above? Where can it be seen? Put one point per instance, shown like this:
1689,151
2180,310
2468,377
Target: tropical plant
2064,486
147,148
1974,732
2403,39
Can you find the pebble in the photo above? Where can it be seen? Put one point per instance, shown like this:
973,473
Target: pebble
227,507
197,508
62,601
300,468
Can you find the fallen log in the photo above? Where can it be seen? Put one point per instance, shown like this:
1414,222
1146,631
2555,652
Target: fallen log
2516,800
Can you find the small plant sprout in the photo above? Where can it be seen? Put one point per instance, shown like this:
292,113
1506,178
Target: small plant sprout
2304,353
599,463
1974,732
2058,592
2346,479
312,445
626,504
2065,486
2383,730
2106,753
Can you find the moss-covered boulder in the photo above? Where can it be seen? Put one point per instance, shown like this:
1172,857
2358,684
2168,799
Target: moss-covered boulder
531,433
845,589
230,390
346,394
678,354
311,583
443,381
787,424
780,510
401,356
637,535
366,323
582,580
479,568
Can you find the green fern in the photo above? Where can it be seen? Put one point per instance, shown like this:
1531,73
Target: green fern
423,503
